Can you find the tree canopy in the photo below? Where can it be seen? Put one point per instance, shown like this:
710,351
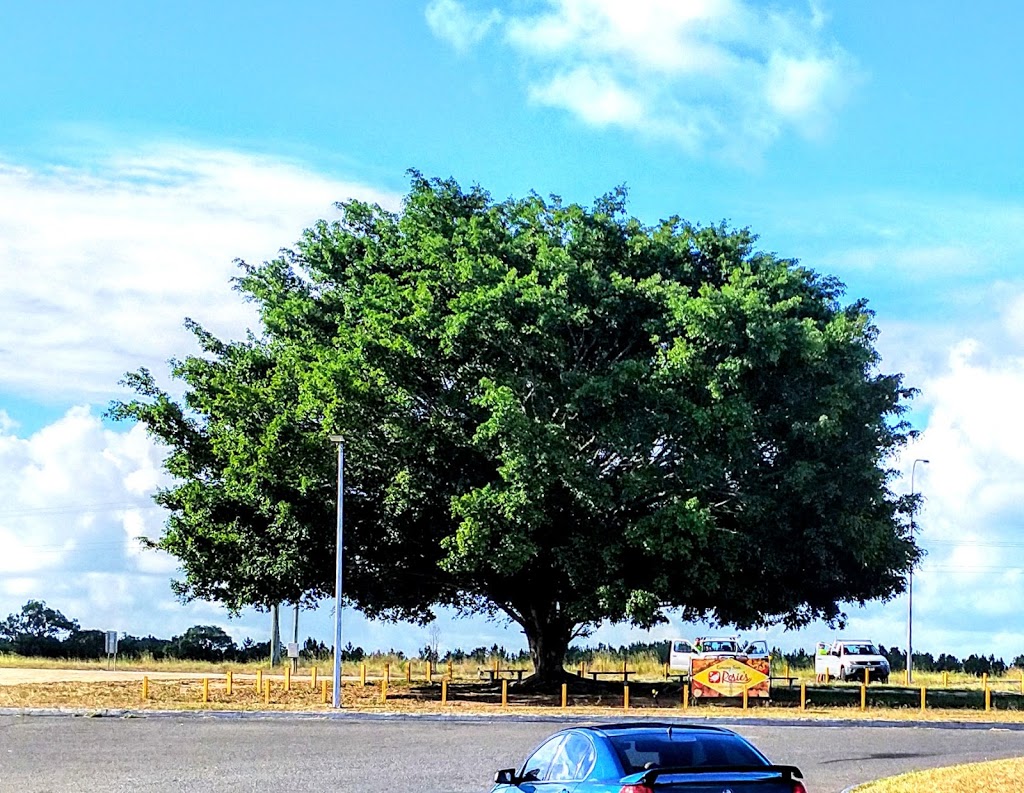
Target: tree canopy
552,413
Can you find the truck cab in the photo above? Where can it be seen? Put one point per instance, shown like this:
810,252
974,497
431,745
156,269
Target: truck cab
683,651
850,659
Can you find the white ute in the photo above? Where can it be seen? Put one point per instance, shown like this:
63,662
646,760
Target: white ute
848,659
683,651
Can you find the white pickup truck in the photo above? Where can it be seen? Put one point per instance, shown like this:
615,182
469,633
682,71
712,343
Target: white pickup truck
683,651
848,659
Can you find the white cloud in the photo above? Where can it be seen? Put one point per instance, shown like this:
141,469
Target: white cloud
461,27
725,76
101,263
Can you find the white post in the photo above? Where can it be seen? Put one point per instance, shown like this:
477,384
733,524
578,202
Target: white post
337,581
910,587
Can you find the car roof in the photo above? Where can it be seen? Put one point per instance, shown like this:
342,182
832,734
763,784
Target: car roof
655,726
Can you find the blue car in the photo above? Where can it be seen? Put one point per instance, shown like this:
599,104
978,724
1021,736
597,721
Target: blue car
648,757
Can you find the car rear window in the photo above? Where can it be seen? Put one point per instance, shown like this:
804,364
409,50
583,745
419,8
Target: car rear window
639,752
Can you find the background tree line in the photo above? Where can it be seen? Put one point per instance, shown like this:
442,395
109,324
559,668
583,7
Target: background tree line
41,632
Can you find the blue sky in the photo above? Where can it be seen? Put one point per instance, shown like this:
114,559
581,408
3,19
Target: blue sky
145,146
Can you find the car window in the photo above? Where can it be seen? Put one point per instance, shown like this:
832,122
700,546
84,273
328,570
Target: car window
639,752
574,759
536,769
682,647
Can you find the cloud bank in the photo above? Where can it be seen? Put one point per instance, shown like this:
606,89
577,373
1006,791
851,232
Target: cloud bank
721,76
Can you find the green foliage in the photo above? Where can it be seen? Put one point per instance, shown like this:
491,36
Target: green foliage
552,413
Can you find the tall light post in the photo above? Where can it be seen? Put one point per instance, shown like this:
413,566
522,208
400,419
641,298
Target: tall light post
910,585
340,442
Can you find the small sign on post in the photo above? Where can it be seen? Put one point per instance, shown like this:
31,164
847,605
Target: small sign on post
293,653
111,649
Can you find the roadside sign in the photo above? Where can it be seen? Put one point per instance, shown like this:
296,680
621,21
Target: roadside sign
111,643
729,677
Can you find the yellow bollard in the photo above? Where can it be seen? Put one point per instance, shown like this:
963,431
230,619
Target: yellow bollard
988,698
259,681
206,690
444,692
229,681
945,680
906,677
984,679
504,693
686,695
565,696
863,697
145,687
362,674
429,677
867,677
387,671
923,695
288,678
266,693
746,698
1022,681
383,691
451,670
625,697
312,678
803,696
494,665
323,693
787,670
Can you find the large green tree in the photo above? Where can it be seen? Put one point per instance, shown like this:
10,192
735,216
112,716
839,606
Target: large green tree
552,413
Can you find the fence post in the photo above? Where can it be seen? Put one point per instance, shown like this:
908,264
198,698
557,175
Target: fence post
287,677
504,693
206,690
312,678
444,692
565,696
451,670
988,697
625,697
803,695
746,698
362,674
323,693
266,693
945,680
229,680
430,671
923,694
686,695
383,691
863,697
408,671
259,681
387,671
145,687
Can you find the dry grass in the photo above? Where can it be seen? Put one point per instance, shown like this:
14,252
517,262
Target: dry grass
462,697
996,776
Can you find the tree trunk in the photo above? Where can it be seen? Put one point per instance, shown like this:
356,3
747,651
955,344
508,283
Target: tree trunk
548,645
275,636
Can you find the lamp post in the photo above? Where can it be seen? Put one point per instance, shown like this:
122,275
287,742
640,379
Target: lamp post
910,585
340,442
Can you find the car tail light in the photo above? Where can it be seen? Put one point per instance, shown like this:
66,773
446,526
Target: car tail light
639,789
798,787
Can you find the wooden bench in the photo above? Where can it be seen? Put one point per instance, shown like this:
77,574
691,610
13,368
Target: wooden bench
496,674
619,673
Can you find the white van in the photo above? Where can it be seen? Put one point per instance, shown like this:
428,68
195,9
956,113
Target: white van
683,651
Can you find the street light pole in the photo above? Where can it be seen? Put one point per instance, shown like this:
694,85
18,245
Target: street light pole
910,585
339,441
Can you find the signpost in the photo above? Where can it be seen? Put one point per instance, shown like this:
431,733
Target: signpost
111,648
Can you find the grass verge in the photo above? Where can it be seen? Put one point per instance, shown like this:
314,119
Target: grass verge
995,776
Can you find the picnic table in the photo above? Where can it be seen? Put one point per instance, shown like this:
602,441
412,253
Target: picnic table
496,674
624,674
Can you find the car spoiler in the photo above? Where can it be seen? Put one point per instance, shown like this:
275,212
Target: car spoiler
786,772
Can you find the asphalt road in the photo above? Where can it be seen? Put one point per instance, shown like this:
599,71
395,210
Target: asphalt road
176,753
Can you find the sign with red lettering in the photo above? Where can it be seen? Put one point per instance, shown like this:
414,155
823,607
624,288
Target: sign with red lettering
728,677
